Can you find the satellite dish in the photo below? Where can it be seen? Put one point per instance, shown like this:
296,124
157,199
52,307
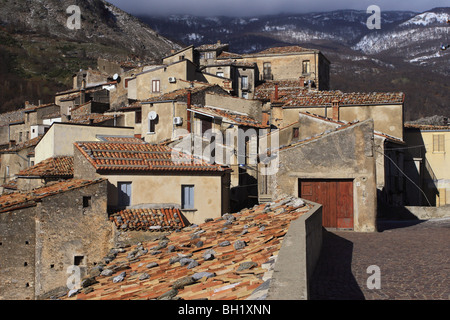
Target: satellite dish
116,77
152,115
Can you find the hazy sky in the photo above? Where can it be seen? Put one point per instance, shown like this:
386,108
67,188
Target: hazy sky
258,7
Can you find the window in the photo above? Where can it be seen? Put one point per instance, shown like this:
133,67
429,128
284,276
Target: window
187,197
244,83
20,136
86,202
78,260
7,171
138,116
438,143
155,86
124,196
209,55
267,71
295,133
151,126
305,66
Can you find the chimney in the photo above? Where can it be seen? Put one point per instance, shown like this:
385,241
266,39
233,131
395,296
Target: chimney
27,104
12,143
335,110
302,82
218,42
276,92
189,97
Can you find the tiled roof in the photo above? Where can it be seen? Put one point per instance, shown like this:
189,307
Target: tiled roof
325,98
51,167
160,219
215,46
237,118
26,144
426,127
228,55
141,157
286,49
224,259
11,185
18,200
42,106
266,90
96,118
121,139
229,62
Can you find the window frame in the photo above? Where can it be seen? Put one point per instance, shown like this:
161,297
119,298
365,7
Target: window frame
156,84
190,204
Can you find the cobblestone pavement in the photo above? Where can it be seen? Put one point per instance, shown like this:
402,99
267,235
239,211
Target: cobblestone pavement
413,259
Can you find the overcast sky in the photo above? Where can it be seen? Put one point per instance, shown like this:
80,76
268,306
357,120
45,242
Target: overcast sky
259,7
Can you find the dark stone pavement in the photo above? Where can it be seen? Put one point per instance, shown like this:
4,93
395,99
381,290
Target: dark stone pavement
413,257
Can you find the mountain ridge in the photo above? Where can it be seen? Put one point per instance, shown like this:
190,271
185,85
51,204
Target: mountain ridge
361,59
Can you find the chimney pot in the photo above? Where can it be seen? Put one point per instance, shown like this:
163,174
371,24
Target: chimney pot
335,110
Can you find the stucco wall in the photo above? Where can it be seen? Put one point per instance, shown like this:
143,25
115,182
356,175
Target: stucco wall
58,141
166,188
387,118
344,154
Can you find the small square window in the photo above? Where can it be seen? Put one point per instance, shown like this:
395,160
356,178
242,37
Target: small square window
78,260
87,202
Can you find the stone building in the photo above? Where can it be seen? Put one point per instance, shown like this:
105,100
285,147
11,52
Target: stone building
49,231
335,168
139,173
427,164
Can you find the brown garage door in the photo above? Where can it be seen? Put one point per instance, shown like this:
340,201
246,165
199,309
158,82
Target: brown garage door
336,197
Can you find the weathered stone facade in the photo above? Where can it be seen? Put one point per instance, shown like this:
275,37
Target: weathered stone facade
39,243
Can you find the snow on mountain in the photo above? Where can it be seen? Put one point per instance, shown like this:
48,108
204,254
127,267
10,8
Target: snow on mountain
427,18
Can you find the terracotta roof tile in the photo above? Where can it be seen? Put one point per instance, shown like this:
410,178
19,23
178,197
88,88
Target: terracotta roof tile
292,93
325,98
26,144
214,46
51,167
18,200
230,272
141,157
158,219
96,118
426,127
286,49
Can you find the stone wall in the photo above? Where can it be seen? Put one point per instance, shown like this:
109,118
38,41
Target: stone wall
344,154
298,257
17,252
67,225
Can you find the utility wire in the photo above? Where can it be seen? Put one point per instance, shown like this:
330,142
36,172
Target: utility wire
406,176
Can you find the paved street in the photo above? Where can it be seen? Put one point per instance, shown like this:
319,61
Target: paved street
413,259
